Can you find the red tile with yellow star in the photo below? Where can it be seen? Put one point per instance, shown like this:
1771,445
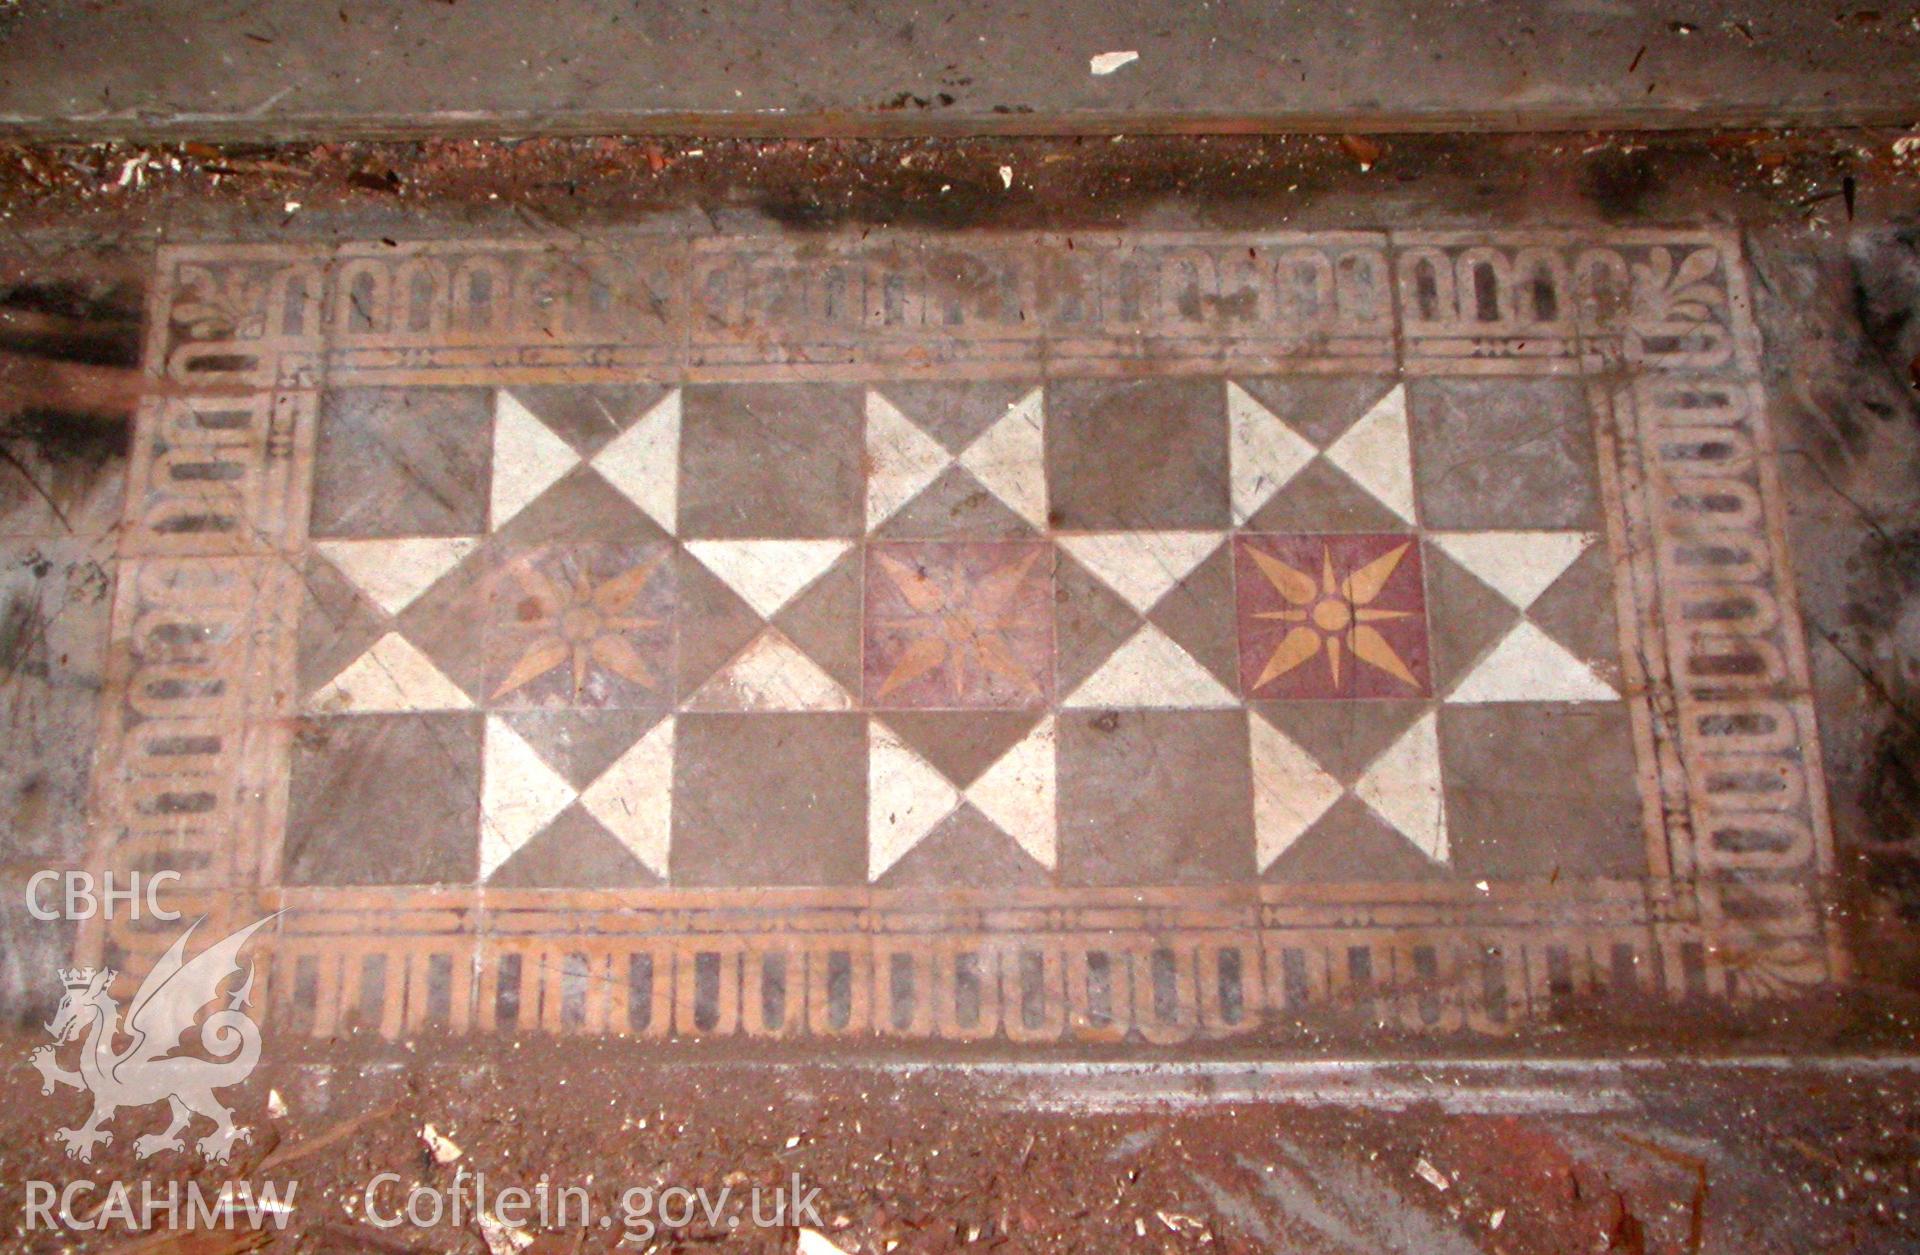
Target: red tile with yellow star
1331,616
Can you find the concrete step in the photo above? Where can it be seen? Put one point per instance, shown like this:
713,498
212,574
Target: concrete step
286,69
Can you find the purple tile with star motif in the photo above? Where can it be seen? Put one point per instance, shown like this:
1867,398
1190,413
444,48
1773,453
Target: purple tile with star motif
587,625
959,625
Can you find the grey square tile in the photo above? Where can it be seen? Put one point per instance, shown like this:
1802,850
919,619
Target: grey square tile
1539,791
384,800
770,799
403,462
1155,797
1145,454
1504,453
776,460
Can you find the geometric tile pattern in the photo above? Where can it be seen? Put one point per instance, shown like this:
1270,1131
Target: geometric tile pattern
1527,664
1008,638
1150,667
1181,620
908,797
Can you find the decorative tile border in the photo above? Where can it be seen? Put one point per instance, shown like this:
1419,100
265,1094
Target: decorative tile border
192,769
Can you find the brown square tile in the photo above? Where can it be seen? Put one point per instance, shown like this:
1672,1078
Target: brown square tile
770,799
580,626
403,462
1155,797
1503,453
774,460
1336,616
1137,454
959,624
384,800
1538,791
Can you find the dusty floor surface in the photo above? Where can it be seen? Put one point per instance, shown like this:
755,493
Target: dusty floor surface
1828,227
1761,1160
1752,1160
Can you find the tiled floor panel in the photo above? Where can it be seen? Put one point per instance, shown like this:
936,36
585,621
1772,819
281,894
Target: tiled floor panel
1155,638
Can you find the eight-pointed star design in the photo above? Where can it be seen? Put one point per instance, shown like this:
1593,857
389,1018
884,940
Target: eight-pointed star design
573,621
1332,615
970,627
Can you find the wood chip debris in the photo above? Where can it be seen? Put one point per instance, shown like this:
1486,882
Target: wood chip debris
443,1148
501,1237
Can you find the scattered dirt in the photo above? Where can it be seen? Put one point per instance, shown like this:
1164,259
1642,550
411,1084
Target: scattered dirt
907,1162
1072,183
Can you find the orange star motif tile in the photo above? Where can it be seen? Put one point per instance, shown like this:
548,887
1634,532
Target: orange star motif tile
959,625
580,626
1331,617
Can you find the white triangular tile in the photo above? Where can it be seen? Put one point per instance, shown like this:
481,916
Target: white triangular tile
1377,454
643,462
1290,790
1018,794
768,573
390,677
1009,458
394,572
771,674
1142,566
906,799
1264,454
901,460
1530,666
528,458
634,797
1403,787
519,795
1151,670
1517,565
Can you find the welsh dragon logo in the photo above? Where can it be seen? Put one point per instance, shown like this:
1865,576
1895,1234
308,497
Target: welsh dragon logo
166,1006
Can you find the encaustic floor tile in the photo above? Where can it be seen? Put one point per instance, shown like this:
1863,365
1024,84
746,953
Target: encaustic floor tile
966,661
